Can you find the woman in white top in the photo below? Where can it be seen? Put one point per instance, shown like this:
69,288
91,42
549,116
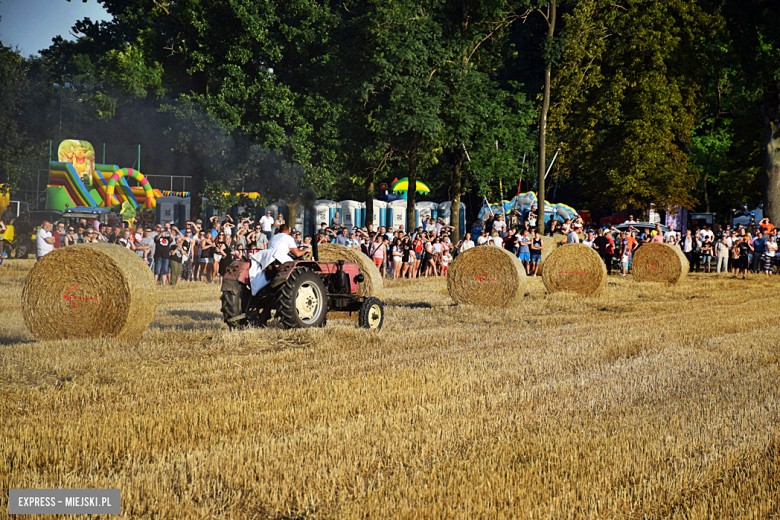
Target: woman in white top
278,222
769,255
466,243
398,256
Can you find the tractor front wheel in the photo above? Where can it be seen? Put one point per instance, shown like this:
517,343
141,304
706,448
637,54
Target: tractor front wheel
372,314
302,301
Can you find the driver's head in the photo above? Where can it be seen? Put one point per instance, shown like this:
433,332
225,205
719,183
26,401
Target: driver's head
284,228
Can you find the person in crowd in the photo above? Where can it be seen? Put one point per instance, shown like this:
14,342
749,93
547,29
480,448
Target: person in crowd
162,249
207,250
722,247
524,251
625,253
446,259
408,257
176,257
398,257
465,243
44,240
279,222
769,255
335,222
266,224
759,247
571,235
743,249
428,260
342,239
58,234
535,248
706,253
92,236
589,238
225,249
376,251
600,244
126,240
418,246
70,238
219,242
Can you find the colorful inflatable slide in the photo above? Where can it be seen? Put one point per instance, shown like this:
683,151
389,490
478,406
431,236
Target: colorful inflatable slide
75,180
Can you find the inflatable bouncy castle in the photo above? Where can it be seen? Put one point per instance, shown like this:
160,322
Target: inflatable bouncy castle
75,180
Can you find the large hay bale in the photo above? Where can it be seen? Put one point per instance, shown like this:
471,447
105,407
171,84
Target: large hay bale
575,268
486,275
658,262
89,290
372,284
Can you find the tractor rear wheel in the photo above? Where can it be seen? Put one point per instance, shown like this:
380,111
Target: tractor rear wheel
302,300
372,314
232,304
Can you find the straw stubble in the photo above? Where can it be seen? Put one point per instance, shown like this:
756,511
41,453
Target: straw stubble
487,275
89,290
575,268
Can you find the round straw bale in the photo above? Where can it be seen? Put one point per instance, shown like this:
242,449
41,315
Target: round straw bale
659,262
486,275
575,268
89,290
372,284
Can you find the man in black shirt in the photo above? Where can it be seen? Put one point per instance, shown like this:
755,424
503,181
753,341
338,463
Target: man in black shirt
600,245
162,243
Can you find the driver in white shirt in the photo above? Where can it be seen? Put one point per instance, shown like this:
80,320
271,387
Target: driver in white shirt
281,247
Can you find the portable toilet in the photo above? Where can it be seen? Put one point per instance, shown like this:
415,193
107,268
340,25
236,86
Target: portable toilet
350,213
445,212
425,210
184,211
396,214
325,210
299,217
379,216
166,211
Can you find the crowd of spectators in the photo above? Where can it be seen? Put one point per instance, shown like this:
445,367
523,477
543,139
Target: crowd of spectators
717,249
203,253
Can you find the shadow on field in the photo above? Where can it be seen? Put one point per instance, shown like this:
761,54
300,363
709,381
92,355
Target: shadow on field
197,315
15,340
210,325
413,305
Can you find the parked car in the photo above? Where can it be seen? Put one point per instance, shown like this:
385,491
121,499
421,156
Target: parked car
647,227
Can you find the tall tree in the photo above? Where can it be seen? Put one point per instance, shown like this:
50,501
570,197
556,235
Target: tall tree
628,91
753,33
550,45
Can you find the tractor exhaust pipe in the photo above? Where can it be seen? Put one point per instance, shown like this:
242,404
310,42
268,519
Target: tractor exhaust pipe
309,198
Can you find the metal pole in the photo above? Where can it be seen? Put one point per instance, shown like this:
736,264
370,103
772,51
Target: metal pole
49,149
139,157
60,112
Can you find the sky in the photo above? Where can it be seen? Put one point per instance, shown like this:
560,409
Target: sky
31,24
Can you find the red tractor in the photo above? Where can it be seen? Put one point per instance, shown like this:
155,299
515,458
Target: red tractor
301,292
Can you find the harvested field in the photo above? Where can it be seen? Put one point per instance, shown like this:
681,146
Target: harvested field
646,401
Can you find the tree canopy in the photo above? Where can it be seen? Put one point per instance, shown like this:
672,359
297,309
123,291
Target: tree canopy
670,103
